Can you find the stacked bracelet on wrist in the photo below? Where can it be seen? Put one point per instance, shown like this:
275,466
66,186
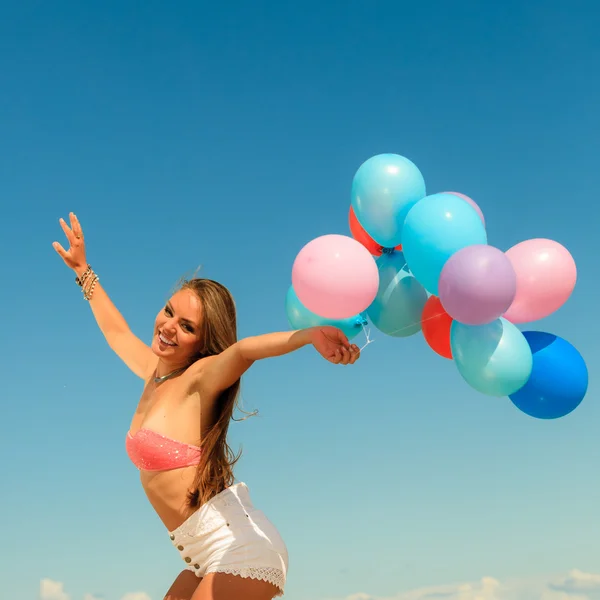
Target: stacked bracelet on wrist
87,282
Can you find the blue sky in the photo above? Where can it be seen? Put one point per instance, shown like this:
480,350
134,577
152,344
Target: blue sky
186,134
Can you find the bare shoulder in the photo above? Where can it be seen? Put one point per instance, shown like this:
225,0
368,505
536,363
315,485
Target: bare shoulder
150,367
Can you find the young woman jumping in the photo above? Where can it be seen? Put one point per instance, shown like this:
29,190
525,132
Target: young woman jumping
178,435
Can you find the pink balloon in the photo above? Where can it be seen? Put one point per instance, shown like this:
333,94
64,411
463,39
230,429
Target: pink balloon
335,277
471,202
546,276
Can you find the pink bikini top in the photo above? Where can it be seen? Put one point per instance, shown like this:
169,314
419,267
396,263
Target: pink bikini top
151,451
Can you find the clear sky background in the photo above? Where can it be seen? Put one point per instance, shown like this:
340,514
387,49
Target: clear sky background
227,135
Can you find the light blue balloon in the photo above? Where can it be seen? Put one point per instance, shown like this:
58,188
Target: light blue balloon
300,317
495,358
436,227
384,189
400,299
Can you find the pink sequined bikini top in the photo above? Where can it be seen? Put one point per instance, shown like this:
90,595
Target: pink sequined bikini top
152,451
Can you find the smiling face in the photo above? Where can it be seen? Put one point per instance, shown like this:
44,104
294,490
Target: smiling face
178,329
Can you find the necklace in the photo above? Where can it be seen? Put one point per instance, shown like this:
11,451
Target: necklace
169,375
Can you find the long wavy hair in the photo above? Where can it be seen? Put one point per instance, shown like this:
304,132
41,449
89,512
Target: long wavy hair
219,331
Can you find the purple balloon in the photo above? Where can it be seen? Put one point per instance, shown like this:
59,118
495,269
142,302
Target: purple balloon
471,202
477,285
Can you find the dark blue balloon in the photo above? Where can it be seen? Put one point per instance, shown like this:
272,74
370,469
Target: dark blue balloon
558,381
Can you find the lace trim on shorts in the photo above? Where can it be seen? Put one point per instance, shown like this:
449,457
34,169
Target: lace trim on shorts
268,574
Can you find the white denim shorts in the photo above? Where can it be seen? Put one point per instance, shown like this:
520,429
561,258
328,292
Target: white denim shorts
229,535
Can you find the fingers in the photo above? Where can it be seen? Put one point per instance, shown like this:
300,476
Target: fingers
340,357
355,353
61,251
346,356
73,233
68,232
75,226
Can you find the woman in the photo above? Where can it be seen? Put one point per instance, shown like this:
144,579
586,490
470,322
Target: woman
177,438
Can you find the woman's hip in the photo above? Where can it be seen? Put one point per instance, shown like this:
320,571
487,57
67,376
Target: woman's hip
229,525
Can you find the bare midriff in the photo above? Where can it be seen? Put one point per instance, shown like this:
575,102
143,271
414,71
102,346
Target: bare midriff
167,492
173,410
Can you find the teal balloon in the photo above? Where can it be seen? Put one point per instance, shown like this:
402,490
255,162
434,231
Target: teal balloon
495,359
436,227
400,299
384,189
299,317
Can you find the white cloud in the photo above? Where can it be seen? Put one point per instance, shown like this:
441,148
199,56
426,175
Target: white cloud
577,582
55,590
485,589
576,585
52,590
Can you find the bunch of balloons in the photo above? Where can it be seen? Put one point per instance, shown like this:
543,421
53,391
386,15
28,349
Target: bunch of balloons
418,262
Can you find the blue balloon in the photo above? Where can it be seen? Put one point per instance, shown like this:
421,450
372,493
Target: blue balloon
559,378
300,317
495,359
384,189
400,299
435,228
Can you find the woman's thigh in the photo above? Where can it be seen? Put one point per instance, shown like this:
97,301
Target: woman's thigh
183,587
222,586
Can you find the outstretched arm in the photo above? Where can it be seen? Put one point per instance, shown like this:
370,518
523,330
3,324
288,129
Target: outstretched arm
130,349
217,373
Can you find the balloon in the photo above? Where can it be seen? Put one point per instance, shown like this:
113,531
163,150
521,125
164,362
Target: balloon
360,235
300,317
335,277
559,378
477,285
495,359
436,324
471,202
546,276
384,189
397,308
437,227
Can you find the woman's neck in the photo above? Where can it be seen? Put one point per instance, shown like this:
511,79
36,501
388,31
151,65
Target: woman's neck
163,370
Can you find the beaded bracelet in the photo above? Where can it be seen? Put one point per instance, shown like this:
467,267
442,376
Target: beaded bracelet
81,280
89,292
87,282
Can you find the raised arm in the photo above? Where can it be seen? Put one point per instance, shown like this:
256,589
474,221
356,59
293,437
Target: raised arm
217,373
128,347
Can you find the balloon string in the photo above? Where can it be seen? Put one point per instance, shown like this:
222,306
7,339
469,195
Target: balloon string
416,322
367,333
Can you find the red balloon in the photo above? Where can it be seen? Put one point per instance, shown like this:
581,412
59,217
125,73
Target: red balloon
360,235
436,323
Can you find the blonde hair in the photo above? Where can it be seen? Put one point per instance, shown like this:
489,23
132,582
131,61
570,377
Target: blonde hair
219,332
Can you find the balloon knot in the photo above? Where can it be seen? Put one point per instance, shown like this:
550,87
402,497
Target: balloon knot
361,321
388,250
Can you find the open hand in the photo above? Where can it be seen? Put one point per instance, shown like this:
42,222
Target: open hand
333,345
74,257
